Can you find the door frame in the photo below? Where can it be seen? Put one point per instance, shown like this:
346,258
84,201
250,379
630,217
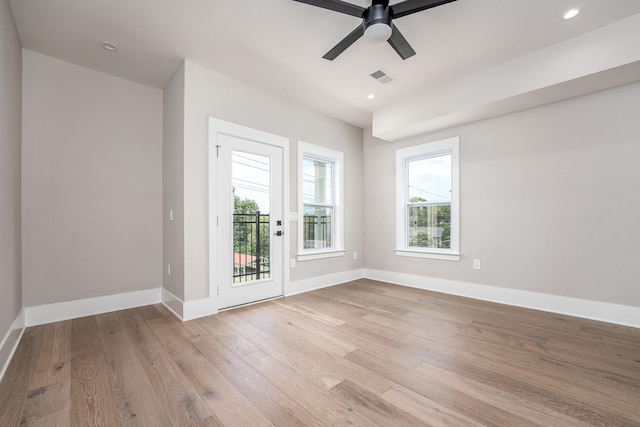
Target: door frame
217,127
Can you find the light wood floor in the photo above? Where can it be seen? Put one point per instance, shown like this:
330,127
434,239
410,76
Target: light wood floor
363,354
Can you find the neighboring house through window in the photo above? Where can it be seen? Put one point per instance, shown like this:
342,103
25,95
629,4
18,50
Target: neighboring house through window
320,218
427,216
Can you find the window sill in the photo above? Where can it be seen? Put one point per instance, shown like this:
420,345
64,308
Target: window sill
430,255
333,253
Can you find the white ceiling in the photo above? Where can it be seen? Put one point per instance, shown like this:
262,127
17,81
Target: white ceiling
277,45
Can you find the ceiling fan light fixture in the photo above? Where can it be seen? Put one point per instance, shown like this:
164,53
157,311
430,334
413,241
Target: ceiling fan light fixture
378,33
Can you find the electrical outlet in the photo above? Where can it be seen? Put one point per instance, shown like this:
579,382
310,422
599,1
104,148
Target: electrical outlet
170,214
355,255
476,264
293,263
168,269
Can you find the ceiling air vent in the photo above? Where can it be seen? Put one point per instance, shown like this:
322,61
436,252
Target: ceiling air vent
382,77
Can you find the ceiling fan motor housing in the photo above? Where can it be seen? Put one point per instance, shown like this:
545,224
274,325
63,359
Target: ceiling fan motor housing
376,14
376,23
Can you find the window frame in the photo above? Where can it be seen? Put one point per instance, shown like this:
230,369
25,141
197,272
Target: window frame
311,151
405,155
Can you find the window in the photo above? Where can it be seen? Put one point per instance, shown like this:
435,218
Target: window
427,217
320,216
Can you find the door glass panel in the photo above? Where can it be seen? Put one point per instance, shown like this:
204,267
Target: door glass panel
250,178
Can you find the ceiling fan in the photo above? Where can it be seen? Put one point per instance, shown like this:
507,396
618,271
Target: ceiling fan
376,22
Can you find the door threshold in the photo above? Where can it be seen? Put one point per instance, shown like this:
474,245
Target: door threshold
250,303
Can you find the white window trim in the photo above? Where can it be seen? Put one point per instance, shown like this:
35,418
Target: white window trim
449,145
337,158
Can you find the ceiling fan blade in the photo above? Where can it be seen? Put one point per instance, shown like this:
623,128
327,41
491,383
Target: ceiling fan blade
400,44
344,43
412,6
337,5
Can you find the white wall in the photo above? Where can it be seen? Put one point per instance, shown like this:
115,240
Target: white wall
209,94
10,135
173,184
92,183
549,200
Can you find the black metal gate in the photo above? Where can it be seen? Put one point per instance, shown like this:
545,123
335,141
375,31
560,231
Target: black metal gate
251,234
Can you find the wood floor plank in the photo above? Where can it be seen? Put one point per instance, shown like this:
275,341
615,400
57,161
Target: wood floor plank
91,399
363,300
569,380
363,353
183,405
49,396
378,411
624,356
320,375
304,344
84,336
133,395
147,313
609,331
53,357
195,332
427,411
317,401
529,367
227,403
15,383
212,421
426,326
214,326
310,312
324,336
391,349
527,400
439,391
48,406
508,395
273,402
502,338
164,310
333,308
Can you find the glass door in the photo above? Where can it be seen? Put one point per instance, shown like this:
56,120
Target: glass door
250,221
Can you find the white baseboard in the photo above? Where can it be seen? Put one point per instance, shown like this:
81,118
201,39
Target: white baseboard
320,282
189,310
48,313
173,303
59,311
10,342
587,309
200,308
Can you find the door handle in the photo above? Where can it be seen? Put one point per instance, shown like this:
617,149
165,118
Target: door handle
278,233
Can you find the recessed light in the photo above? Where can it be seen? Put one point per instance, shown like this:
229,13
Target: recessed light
571,13
112,47
371,96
